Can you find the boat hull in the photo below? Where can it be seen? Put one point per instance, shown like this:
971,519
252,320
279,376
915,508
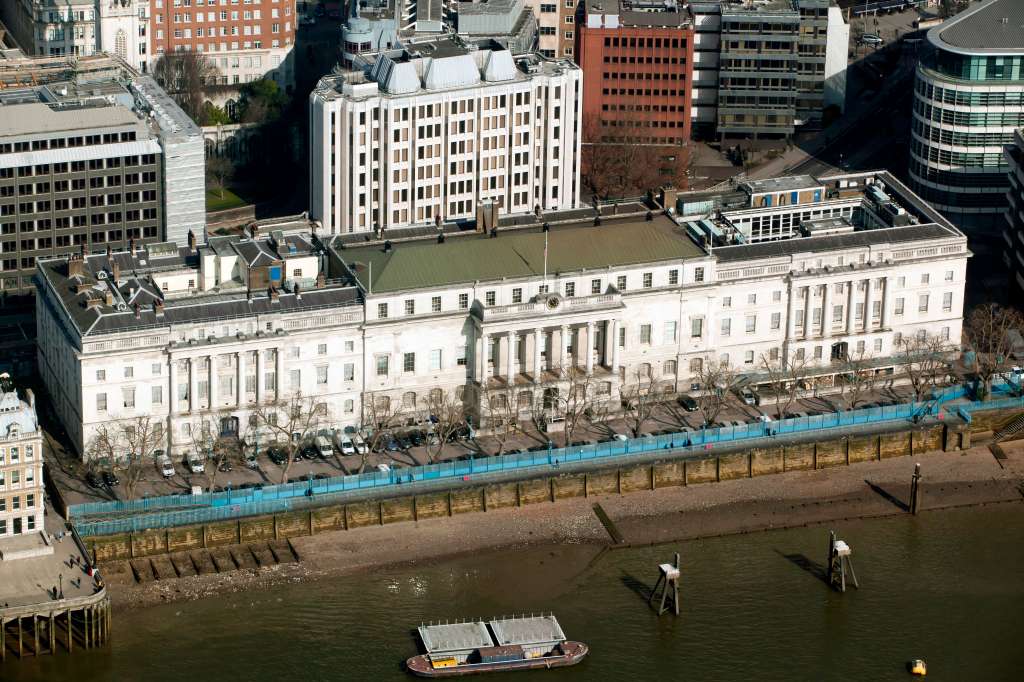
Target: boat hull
572,653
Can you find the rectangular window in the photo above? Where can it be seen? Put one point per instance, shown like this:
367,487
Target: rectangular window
382,365
697,327
751,324
129,372
947,302
460,356
321,349
645,334
350,371
321,375
410,306
382,311
899,306
922,303
726,326
620,283
101,402
673,277
463,301
748,357
295,379
490,298
751,299
776,320
837,313
570,289
435,359
435,304
878,345
698,274
670,332
949,275
158,395
409,362
727,301
595,286
128,394
157,369
101,375
648,280
925,278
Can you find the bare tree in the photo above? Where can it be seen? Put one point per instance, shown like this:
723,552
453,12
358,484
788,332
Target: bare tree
447,415
214,447
987,334
126,447
501,414
575,403
716,382
619,160
857,379
185,76
923,359
785,381
638,401
380,419
219,171
288,421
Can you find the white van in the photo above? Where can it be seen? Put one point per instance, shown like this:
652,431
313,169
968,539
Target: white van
163,463
347,445
360,445
323,446
195,463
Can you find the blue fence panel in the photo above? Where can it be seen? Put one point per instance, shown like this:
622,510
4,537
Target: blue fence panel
174,510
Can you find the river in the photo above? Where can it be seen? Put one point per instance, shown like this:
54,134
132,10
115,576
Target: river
947,586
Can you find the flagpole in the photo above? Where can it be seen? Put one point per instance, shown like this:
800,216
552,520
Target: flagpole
545,257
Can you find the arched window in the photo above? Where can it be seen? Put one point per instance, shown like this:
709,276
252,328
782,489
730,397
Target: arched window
409,400
644,371
436,396
524,400
669,368
121,44
696,365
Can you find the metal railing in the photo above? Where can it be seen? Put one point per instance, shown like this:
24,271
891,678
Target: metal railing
101,518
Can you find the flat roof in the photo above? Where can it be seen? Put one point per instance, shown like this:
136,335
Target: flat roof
527,630
448,637
35,117
783,184
513,254
993,27
835,242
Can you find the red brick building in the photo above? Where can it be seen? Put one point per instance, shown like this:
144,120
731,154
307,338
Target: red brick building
245,39
637,61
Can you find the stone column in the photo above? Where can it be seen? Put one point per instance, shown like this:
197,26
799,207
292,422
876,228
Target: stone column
615,346
511,358
538,345
589,349
240,381
808,317
886,302
279,372
791,312
609,339
212,402
261,388
851,308
562,335
826,310
868,296
193,388
485,344
173,365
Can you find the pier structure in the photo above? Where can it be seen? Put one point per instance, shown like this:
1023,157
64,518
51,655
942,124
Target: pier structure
668,579
839,563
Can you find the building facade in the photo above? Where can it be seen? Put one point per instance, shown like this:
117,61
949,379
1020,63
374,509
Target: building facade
21,462
81,28
246,41
1013,231
638,72
968,101
89,167
556,27
626,300
431,131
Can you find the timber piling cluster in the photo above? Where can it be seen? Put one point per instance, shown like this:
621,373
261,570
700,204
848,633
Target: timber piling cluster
38,629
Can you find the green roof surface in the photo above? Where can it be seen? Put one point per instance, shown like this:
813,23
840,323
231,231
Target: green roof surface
413,265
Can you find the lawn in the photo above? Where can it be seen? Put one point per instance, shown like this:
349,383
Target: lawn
214,202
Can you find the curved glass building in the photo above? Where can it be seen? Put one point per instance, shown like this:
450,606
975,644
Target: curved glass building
968,101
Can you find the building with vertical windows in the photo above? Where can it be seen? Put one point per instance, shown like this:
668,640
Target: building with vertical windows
637,61
968,101
1013,231
21,462
510,22
433,130
246,41
91,160
80,28
556,27
784,270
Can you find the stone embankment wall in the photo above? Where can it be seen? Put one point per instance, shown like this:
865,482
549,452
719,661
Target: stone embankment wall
552,487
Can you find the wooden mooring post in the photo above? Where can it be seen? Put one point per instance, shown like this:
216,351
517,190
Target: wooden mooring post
915,490
668,579
839,563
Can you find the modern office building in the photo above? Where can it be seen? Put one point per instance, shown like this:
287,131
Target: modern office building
81,28
637,60
96,156
763,69
807,271
433,130
246,41
1013,230
510,22
21,462
968,101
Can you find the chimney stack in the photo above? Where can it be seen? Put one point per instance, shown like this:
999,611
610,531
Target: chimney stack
254,230
115,271
76,266
275,295
298,292
138,312
321,280
158,308
191,241
108,296
131,246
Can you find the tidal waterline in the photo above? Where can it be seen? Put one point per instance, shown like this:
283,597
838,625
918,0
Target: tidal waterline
946,586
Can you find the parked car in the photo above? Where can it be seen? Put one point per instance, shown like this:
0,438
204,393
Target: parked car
94,480
687,403
277,455
164,464
225,466
360,444
251,461
871,39
347,446
110,479
749,397
392,445
195,463
383,468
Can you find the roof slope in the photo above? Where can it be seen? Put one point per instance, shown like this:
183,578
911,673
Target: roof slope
479,258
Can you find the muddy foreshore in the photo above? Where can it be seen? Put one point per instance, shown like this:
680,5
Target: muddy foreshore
799,498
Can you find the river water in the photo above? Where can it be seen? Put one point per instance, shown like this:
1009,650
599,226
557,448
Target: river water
947,586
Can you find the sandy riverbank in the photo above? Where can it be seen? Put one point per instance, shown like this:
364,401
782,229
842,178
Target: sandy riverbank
785,500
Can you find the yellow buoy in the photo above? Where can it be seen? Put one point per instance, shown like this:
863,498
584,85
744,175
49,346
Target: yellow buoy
917,667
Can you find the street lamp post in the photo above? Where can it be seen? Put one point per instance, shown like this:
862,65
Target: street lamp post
61,578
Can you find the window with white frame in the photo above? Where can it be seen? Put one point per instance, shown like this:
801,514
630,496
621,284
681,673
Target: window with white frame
435,304
726,326
410,306
435,359
321,375
776,320
947,302
409,362
922,303
382,365
751,324
101,402
670,332
645,334
349,371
